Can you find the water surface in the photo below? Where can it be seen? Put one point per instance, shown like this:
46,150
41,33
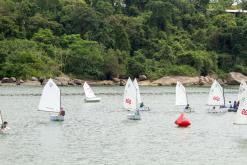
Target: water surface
99,133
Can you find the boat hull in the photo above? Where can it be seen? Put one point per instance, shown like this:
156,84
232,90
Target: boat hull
217,110
56,118
94,99
133,117
232,110
144,108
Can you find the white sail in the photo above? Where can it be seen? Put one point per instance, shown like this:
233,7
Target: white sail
130,97
50,100
181,97
1,118
139,100
88,91
242,88
216,96
241,116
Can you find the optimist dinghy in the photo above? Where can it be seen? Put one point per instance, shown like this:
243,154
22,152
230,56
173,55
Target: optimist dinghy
241,116
90,96
181,97
130,101
140,104
216,99
50,101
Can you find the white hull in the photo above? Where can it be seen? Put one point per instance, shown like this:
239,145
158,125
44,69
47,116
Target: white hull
5,130
94,99
189,110
133,116
56,118
144,108
217,110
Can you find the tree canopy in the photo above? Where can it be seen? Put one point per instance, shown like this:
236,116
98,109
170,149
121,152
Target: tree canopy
102,39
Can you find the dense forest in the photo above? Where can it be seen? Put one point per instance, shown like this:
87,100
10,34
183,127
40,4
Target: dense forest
102,39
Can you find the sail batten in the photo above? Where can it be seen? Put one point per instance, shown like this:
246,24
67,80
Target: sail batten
181,96
50,100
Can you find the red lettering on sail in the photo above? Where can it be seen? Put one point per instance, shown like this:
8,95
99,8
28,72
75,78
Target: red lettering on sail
217,98
244,112
128,101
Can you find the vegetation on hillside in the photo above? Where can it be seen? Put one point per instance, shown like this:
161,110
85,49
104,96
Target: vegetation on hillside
102,39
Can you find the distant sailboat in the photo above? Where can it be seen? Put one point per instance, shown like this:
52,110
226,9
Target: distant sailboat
90,96
140,104
130,101
241,116
216,99
241,90
181,97
3,130
50,100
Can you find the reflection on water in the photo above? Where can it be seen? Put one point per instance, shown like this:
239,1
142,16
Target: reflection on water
99,133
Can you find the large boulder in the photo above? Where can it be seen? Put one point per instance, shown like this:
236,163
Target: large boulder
142,77
78,81
62,81
8,80
235,78
34,79
116,80
122,82
172,80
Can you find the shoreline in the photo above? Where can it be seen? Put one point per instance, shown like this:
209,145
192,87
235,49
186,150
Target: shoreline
234,78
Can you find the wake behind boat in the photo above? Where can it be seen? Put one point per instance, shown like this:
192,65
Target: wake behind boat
50,101
181,98
216,99
90,96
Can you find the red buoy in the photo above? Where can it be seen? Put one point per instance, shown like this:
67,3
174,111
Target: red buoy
182,121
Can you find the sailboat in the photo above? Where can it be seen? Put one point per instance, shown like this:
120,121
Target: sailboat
2,130
140,104
90,96
242,88
216,99
241,116
130,101
181,97
50,100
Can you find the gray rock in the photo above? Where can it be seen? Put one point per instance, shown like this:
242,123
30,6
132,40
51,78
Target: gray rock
34,79
116,80
122,82
142,77
77,82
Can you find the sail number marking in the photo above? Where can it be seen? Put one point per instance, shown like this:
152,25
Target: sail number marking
217,98
244,112
128,101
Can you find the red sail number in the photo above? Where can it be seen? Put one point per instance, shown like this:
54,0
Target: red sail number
217,98
128,101
244,111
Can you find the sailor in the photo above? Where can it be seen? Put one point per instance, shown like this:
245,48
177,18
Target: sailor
4,125
141,105
230,104
187,106
62,112
235,105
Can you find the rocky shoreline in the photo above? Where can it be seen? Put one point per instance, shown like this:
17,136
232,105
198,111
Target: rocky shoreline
234,78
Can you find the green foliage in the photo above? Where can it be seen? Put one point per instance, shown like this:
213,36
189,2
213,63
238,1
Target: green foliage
102,39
